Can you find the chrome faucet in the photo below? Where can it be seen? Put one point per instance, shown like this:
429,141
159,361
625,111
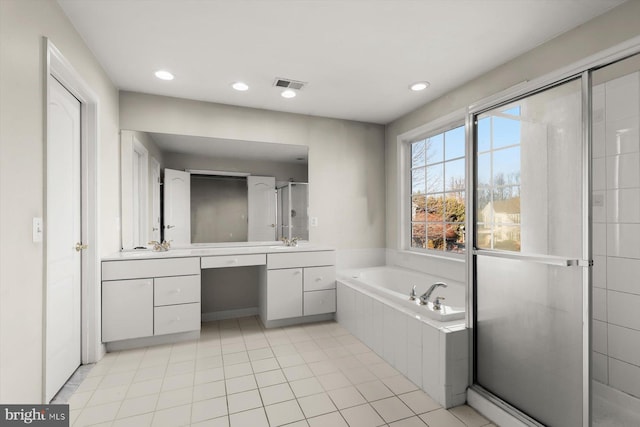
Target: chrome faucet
160,247
437,304
424,298
413,295
292,242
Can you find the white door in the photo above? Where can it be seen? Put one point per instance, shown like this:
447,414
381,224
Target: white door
63,221
261,192
177,207
155,200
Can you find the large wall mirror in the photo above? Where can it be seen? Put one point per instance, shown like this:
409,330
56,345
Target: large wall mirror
198,190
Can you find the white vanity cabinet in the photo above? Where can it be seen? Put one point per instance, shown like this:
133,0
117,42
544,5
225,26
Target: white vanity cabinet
284,293
298,284
127,309
143,298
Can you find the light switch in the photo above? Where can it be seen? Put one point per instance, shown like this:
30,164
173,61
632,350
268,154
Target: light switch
314,221
37,230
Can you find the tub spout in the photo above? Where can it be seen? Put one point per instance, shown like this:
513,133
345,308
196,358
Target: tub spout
424,298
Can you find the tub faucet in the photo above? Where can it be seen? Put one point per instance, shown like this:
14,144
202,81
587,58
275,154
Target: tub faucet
413,295
424,298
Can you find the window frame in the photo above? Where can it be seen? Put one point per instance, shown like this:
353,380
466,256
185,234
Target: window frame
441,125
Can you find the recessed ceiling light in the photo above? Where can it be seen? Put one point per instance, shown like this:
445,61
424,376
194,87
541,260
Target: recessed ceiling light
241,86
164,75
289,93
418,86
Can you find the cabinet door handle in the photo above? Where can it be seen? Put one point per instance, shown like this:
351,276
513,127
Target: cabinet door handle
178,290
319,279
177,318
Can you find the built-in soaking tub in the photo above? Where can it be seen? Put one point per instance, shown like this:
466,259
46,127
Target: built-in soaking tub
397,283
428,346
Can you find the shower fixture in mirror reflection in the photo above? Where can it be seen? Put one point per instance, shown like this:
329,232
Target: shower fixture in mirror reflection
191,189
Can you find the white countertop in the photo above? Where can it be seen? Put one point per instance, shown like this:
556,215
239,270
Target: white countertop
213,249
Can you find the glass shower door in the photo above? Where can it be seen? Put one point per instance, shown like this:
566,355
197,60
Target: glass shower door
529,248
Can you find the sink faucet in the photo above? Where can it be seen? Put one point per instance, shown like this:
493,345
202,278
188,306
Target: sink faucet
424,298
160,247
292,242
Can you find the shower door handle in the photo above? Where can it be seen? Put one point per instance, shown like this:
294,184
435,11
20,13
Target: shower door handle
540,259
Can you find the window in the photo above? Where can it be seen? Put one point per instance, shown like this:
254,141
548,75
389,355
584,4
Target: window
438,191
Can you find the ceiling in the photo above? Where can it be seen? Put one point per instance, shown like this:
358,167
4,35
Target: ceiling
358,56
224,148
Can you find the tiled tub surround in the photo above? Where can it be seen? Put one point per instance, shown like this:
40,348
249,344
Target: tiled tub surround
433,355
239,374
616,229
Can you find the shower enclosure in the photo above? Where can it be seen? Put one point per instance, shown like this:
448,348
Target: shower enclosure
555,258
293,206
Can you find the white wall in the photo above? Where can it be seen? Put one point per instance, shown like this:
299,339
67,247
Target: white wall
614,27
346,158
616,217
22,67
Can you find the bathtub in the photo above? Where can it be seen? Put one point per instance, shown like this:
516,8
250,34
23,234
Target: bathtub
430,347
396,283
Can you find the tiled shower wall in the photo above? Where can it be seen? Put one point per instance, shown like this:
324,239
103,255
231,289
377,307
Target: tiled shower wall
616,233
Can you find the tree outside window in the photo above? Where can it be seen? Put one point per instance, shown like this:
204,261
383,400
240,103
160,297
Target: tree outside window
438,192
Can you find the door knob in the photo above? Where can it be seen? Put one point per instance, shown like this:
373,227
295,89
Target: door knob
80,246
170,226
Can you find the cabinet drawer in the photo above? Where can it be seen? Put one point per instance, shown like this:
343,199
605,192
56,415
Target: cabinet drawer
176,290
319,278
127,309
319,302
233,260
139,268
172,319
301,259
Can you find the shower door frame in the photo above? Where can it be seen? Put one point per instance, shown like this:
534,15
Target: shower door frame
580,70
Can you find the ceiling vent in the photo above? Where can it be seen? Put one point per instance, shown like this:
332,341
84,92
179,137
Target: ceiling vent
288,83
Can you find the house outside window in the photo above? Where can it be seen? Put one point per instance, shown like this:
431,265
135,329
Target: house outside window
498,182
437,186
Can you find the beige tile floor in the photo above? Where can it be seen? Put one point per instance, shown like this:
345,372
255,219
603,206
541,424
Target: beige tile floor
241,375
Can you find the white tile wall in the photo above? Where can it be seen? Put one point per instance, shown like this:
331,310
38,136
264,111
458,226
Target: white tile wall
436,360
624,344
621,273
623,205
624,376
600,304
623,309
622,240
623,171
616,231
600,336
622,136
600,368
600,271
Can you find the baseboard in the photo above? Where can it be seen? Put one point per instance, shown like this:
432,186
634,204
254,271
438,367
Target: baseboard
149,341
298,320
228,314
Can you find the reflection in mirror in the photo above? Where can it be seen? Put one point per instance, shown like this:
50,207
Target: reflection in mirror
213,190
293,217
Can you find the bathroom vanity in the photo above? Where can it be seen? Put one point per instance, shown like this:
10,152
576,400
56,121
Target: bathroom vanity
150,294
